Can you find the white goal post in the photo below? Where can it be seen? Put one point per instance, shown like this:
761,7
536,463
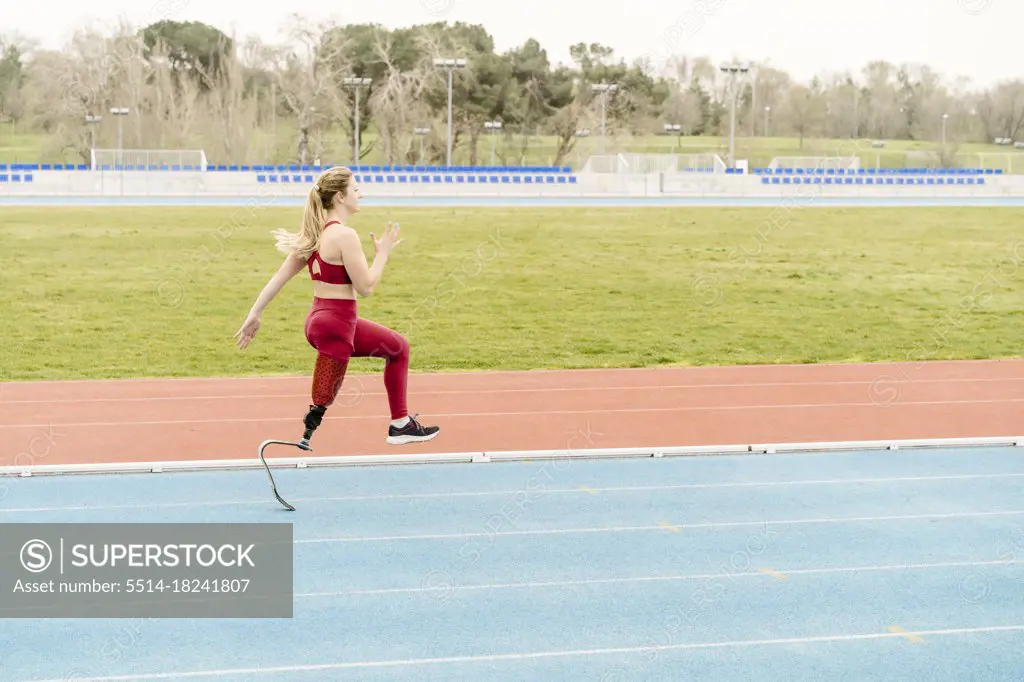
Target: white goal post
149,159
654,163
815,162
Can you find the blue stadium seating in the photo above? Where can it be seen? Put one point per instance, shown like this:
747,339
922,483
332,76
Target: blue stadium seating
294,169
35,167
16,174
294,173
422,175
505,170
526,175
437,178
878,171
861,180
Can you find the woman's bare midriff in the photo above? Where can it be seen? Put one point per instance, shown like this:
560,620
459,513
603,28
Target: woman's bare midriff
325,290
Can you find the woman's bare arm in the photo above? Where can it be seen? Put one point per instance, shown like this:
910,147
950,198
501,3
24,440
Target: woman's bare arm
291,266
365,278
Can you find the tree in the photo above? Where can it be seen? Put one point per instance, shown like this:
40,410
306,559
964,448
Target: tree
568,99
1007,109
528,107
308,72
195,50
12,76
805,109
191,85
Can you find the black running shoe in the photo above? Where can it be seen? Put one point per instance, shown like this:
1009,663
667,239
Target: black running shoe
412,432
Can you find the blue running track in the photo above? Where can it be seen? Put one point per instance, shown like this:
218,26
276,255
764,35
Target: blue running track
868,565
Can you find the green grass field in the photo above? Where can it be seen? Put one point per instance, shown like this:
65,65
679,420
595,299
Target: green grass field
103,292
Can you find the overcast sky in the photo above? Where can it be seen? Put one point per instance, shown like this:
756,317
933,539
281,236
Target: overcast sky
978,39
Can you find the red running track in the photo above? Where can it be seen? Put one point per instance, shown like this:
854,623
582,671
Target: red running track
202,419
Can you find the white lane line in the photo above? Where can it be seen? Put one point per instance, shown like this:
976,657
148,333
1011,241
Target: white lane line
484,373
647,579
484,390
681,526
534,655
520,491
537,413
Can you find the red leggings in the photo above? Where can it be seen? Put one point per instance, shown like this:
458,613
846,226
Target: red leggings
336,331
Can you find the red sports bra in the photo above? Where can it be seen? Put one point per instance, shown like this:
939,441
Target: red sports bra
322,271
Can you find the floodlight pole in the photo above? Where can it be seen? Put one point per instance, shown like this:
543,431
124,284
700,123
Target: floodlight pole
494,127
604,89
767,110
450,65
355,84
677,129
92,122
944,118
420,132
580,134
120,112
732,70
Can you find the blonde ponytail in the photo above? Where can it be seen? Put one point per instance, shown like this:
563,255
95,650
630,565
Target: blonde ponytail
332,183
307,239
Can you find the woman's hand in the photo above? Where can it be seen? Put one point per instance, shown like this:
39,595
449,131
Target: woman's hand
389,241
247,331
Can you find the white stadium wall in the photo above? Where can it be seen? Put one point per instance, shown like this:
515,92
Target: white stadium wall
527,184
212,184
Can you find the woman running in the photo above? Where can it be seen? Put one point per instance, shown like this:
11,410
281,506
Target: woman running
332,253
